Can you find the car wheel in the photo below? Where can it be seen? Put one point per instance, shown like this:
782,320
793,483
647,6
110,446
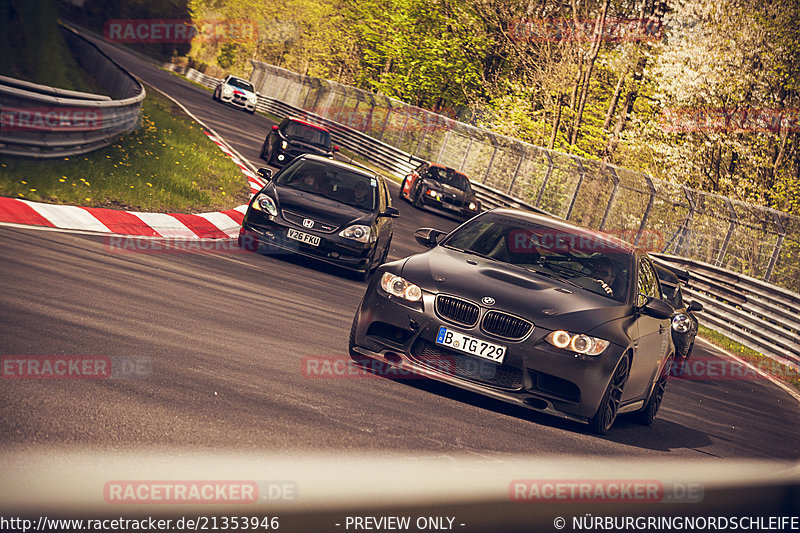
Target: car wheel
402,188
648,413
418,198
606,414
354,355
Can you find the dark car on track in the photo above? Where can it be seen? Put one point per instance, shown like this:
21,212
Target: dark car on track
526,309
294,137
326,210
684,321
441,188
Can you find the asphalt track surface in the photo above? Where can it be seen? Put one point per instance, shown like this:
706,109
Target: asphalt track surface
227,333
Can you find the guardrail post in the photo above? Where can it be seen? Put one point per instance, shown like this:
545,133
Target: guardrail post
646,211
403,130
546,178
491,162
444,144
776,252
516,172
731,226
577,187
466,155
615,178
389,111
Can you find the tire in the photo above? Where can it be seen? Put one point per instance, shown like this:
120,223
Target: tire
403,186
354,355
647,414
418,199
606,413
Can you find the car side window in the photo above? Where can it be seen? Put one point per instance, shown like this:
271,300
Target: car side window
648,285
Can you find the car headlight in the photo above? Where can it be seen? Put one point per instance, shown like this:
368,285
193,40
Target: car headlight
358,233
397,286
577,342
253,99
265,203
681,323
226,90
473,206
284,145
434,194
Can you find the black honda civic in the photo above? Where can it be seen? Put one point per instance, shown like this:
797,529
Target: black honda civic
527,309
323,209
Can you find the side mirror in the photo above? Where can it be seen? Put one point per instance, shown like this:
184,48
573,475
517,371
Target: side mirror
265,173
390,212
335,148
275,127
655,307
428,237
695,306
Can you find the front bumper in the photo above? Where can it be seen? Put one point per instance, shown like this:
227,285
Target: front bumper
461,211
534,374
270,234
241,103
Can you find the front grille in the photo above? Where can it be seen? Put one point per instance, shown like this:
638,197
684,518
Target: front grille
505,325
297,220
450,362
457,310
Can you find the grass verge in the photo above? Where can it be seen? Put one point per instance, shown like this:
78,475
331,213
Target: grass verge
780,371
166,164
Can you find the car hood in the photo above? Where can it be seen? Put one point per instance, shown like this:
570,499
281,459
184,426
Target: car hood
237,90
308,147
318,208
445,188
547,302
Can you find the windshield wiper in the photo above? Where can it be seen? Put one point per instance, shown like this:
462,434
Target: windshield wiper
551,275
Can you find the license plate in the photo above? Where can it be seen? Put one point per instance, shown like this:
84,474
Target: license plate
471,345
313,240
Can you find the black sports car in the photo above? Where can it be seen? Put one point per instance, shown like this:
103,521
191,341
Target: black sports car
527,309
441,188
684,322
294,137
330,211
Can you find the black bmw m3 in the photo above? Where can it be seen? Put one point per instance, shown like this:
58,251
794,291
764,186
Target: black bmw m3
526,309
326,210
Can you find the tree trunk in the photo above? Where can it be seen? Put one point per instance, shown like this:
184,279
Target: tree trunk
615,99
594,51
556,123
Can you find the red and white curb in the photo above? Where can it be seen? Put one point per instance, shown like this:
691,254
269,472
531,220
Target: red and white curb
216,225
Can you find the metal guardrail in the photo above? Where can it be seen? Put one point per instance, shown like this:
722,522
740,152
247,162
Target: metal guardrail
757,314
46,122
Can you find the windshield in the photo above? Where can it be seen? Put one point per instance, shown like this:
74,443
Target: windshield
309,134
332,182
241,84
590,261
449,177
